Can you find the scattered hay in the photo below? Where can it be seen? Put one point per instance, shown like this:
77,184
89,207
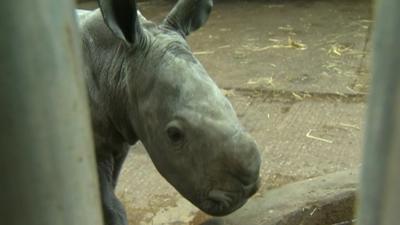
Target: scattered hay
329,65
266,81
224,29
224,46
204,53
298,97
313,211
349,126
286,28
296,44
338,49
290,44
333,67
366,21
274,40
318,138
228,92
341,94
352,90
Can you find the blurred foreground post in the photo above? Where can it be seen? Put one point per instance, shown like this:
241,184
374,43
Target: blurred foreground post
47,164
380,191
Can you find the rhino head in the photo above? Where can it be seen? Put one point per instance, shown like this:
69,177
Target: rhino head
188,127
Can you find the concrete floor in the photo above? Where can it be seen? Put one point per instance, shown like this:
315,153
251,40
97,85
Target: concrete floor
296,72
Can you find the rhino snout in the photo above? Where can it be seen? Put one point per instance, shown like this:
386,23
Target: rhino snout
248,161
223,202
240,180
251,189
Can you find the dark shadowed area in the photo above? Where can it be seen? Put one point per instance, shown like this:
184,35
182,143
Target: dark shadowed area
297,73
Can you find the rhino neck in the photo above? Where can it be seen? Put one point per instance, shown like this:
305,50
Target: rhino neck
106,80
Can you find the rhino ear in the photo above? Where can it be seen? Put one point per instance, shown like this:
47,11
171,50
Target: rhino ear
121,17
188,15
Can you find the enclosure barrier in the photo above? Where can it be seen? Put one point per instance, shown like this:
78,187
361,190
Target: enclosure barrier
47,166
380,188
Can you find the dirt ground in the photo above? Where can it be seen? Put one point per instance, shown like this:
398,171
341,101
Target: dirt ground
297,72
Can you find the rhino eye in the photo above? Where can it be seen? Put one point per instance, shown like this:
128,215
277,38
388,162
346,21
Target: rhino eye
175,133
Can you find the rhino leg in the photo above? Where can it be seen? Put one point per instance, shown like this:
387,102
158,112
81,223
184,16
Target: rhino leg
108,168
119,158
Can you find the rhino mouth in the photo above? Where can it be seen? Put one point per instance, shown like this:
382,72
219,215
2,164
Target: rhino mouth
221,203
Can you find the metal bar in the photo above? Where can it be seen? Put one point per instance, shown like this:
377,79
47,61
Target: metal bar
47,164
380,188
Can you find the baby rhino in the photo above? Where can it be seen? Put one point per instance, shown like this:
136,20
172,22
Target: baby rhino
145,84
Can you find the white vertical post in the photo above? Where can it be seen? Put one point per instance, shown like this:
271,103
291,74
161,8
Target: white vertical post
380,188
47,163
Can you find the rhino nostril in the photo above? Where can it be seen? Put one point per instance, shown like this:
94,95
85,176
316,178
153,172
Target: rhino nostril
220,197
248,175
246,180
251,189
248,161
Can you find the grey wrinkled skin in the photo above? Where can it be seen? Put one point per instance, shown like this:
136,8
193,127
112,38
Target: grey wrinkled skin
145,84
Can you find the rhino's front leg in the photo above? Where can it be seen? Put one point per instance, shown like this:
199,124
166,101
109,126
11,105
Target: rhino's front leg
108,166
119,158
